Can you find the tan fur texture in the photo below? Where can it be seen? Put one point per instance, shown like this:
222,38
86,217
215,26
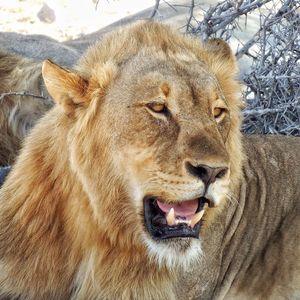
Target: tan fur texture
18,113
71,210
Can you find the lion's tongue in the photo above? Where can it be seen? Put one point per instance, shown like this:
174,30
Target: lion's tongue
182,209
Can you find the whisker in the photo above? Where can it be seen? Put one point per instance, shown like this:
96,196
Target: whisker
233,199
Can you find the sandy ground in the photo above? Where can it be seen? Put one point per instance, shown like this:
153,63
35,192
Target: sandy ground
66,20
72,18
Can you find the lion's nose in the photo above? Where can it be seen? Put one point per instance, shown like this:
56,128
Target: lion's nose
207,174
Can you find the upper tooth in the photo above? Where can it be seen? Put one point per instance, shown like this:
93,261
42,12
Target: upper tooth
171,217
196,218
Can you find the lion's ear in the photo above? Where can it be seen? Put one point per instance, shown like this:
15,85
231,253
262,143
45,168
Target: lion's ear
221,56
67,88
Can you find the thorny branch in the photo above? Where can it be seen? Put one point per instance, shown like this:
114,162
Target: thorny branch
223,17
273,82
265,27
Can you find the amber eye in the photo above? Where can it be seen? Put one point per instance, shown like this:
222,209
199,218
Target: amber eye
218,112
157,107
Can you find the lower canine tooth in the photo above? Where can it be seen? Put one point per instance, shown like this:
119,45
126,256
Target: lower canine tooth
196,218
171,217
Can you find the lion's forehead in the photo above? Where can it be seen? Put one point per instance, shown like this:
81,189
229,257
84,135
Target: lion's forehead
188,81
193,70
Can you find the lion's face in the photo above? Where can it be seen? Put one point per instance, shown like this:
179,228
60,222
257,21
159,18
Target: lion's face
157,146
170,125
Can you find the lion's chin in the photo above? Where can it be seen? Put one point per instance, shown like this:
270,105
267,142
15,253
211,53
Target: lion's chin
174,253
174,221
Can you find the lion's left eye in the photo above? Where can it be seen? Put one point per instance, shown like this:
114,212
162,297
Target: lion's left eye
157,107
219,112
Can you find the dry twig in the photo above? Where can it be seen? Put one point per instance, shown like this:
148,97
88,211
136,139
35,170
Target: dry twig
23,94
191,15
155,9
220,20
273,83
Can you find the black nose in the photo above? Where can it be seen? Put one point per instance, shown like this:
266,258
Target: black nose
207,174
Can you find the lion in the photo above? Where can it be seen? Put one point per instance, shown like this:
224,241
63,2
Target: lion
18,113
138,183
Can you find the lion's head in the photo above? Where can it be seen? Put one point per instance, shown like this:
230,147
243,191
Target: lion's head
153,135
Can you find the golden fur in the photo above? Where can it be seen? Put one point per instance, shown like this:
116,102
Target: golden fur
19,113
71,214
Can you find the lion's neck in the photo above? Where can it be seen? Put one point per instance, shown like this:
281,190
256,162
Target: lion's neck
47,225
121,274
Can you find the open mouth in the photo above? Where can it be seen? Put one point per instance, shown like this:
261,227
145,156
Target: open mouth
171,220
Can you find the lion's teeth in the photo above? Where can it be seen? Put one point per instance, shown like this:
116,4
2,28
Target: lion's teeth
171,219
196,218
181,221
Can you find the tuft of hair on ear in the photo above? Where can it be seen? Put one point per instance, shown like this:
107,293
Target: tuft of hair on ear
221,57
220,47
67,88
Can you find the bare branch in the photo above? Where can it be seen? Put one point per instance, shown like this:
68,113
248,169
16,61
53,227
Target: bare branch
265,27
224,14
23,94
96,4
191,15
155,9
264,111
171,5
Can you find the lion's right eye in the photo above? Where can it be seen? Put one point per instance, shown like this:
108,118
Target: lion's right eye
157,107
